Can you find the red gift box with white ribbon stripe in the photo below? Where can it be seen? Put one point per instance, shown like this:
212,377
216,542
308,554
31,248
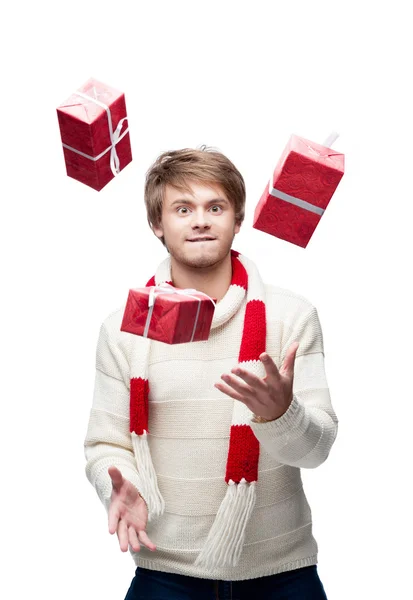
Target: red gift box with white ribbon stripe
168,314
94,133
299,190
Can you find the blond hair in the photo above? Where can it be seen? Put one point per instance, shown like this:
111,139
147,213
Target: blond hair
203,165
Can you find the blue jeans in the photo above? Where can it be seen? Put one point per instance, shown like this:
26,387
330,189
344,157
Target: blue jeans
299,584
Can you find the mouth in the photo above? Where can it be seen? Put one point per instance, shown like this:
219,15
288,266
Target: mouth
202,239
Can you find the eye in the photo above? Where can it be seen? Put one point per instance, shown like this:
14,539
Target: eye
186,208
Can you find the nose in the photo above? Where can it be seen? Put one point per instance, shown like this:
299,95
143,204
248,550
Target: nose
200,219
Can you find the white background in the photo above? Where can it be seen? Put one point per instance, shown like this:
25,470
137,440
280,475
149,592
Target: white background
241,76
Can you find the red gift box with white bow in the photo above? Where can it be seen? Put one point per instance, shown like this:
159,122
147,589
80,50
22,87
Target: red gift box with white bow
168,314
299,190
94,133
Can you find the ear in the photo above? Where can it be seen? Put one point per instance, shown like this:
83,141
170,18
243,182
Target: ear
158,231
237,228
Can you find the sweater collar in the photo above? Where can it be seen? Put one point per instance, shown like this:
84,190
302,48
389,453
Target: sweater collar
224,309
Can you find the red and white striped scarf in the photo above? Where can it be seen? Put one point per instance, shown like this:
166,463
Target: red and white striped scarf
225,540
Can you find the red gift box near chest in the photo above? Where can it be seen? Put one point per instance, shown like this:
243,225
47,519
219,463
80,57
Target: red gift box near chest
168,314
299,191
94,132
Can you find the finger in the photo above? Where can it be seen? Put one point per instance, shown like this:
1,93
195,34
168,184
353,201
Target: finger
289,360
238,386
253,380
116,477
133,539
143,536
113,518
123,536
225,389
270,367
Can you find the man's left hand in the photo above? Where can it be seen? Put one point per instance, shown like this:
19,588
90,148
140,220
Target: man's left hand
269,397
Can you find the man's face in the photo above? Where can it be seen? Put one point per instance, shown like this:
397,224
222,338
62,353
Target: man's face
206,212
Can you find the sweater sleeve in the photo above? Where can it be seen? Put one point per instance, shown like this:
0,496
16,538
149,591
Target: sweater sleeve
304,434
108,440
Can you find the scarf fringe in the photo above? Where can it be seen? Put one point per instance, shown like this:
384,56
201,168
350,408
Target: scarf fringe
151,493
225,540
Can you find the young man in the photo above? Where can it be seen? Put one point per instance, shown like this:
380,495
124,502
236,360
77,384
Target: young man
195,449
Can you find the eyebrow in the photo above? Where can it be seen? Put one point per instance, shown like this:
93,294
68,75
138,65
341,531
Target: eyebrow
186,201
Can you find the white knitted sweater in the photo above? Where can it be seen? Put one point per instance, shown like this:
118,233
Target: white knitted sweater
189,424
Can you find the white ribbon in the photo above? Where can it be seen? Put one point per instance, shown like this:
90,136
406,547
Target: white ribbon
328,142
166,288
115,137
293,200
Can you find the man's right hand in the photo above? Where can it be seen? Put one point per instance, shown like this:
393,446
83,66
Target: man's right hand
128,514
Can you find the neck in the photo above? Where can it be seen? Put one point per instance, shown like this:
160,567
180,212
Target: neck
213,281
